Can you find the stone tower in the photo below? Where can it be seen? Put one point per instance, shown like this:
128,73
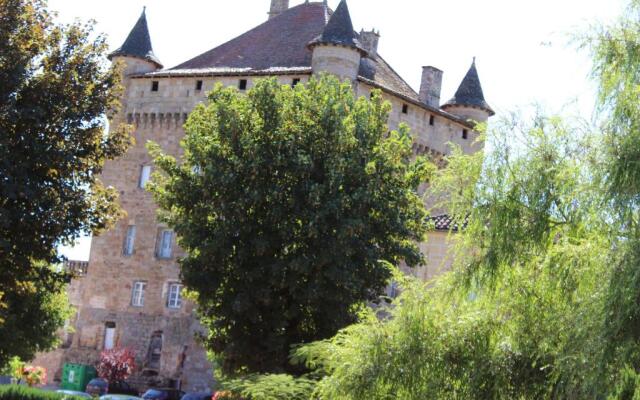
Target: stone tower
469,102
337,50
137,51
278,7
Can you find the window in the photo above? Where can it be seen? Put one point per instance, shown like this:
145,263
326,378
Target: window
432,120
174,299
465,134
243,84
295,82
198,86
145,175
137,295
109,335
165,244
405,109
155,85
154,353
129,241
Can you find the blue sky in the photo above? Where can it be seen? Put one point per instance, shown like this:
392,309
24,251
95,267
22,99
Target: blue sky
523,49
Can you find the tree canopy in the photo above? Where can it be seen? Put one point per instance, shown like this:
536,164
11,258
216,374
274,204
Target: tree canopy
543,301
287,201
54,95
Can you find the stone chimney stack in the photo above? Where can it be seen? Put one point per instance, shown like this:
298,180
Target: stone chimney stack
369,41
278,7
431,86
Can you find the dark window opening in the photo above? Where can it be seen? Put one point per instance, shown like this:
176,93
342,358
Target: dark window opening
432,120
405,109
198,85
465,134
295,82
243,84
155,85
154,353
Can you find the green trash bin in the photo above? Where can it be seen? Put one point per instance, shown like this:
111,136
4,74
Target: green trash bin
76,376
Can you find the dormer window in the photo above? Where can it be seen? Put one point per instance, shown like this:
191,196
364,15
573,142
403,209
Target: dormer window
465,134
155,85
198,86
405,109
242,85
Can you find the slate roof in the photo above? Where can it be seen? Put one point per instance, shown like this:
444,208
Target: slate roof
279,42
339,29
470,92
138,43
282,43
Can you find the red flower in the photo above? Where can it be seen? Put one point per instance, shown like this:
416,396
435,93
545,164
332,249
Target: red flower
117,364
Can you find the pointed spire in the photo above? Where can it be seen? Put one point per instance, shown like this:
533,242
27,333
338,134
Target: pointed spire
138,43
470,92
339,29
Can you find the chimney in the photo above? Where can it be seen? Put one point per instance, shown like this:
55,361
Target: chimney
369,41
430,86
278,7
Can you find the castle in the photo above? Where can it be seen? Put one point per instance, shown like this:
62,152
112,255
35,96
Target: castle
130,291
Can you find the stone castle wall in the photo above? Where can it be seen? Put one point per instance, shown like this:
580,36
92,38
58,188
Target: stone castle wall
104,297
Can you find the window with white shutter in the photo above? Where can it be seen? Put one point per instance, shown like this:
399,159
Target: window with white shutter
109,335
145,175
137,297
165,245
174,299
129,241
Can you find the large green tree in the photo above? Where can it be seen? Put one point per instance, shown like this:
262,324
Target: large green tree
544,298
287,202
54,95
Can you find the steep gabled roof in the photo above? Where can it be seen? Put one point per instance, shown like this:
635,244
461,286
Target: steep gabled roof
339,29
280,44
470,92
138,43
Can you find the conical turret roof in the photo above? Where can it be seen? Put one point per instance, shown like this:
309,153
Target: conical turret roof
470,93
138,43
339,29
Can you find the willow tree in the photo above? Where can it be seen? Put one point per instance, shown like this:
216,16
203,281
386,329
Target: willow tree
544,298
287,202
54,94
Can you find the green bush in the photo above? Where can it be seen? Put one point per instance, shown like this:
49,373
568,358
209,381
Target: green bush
15,392
627,387
271,387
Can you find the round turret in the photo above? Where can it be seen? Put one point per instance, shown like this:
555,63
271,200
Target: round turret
337,51
469,102
137,52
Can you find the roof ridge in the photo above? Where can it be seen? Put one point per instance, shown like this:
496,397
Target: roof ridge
396,73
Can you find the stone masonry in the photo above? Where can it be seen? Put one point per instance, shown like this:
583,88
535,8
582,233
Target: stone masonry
129,295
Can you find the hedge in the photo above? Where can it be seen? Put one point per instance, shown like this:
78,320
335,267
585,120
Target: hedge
15,392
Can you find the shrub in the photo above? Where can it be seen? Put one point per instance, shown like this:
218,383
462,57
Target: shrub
116,364
627,387
268,387
34,375
14,392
